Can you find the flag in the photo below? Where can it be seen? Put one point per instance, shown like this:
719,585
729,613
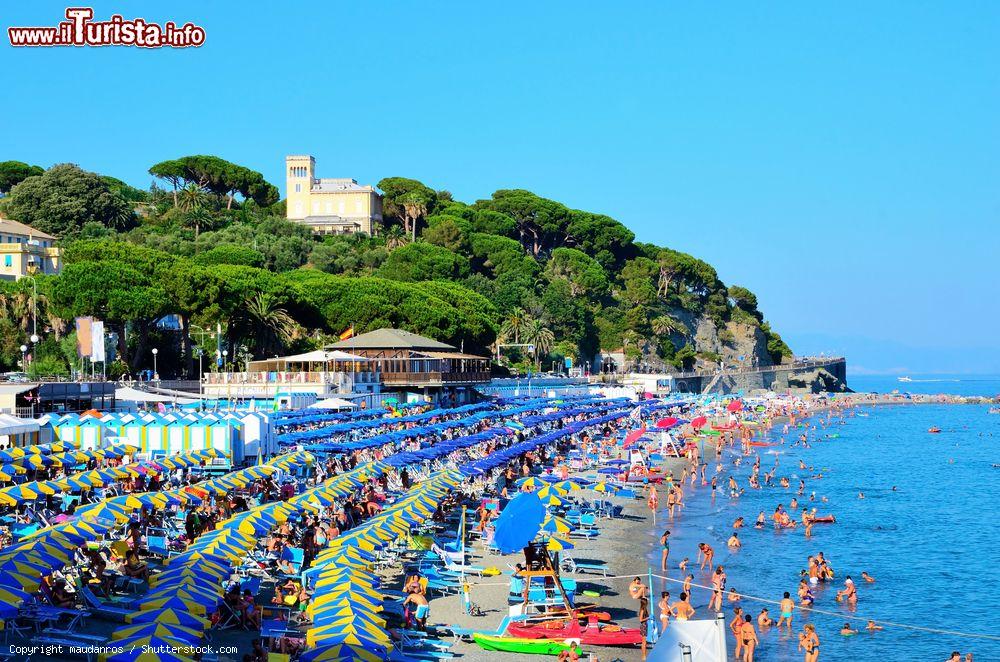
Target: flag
97,341
347,334
84,339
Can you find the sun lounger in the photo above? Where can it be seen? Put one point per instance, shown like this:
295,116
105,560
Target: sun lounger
466,633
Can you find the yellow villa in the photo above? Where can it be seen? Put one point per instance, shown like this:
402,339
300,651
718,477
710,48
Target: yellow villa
25,251
329,206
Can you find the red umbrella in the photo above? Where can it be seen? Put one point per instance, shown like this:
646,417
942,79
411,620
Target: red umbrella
735,405
699,422
634,435
665,423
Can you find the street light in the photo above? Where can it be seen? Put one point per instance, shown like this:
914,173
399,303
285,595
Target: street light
24,357
156,373
225,353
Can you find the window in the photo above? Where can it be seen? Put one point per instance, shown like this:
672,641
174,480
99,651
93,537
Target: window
315,207
298,188
298,208
329,207
8,261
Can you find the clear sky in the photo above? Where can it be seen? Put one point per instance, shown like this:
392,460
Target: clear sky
839,160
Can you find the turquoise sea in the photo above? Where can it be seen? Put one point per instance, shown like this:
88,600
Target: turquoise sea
931,544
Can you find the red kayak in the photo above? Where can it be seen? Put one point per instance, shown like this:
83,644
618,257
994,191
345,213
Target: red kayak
595,634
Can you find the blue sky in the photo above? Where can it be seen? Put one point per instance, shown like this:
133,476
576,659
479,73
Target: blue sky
839,160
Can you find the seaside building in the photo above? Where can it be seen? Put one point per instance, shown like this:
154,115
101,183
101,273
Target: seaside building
412,364
25,251
365,368
329,206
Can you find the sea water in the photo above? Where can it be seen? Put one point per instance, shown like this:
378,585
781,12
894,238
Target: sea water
932,543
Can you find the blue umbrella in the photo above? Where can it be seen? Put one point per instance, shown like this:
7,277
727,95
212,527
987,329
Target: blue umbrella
519,522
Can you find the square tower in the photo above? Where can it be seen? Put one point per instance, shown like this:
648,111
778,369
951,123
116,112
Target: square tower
300,174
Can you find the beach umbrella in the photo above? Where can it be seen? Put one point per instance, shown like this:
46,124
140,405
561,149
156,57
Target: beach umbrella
193,573
530,482
667,423
172,602
565,486
19,493
11,454
28,583
370,633
199,595
169,617
557,544
341,653
158,630
9,471
11,595
36,461
369,643
106,511
698,422
518,524
555,524
735,406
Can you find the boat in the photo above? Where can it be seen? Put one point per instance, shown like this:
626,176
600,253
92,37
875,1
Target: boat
520,645
934,430
905,379
594,634
993,410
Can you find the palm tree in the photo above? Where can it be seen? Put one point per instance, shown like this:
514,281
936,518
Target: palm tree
541,336
263,324
191,198
665,325
395,237
197,218
513,325
414,208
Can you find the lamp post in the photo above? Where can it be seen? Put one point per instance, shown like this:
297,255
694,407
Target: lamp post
225,353
156,373
24,357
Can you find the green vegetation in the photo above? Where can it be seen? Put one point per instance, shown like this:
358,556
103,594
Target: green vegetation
211,248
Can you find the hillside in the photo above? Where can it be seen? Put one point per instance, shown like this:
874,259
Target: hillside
214,251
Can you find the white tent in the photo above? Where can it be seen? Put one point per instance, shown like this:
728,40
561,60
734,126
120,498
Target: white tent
333,403
13,425
129,394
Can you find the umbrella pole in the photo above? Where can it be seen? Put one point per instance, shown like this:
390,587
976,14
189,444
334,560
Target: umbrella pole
562,589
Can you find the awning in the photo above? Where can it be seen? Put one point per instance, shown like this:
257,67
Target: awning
129,394
333,403
14,425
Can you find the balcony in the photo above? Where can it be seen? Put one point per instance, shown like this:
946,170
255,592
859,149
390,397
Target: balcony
433,378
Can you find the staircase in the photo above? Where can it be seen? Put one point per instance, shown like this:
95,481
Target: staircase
711,384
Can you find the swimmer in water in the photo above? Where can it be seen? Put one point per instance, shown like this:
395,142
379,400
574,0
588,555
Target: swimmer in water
872,627
868,578
738,524
687,585
764,620
705,555
787,606
734,541
809,642
760,521
861,495
847,630
733,596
